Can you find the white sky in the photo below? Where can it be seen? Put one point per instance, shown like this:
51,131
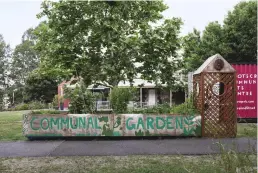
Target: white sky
16,16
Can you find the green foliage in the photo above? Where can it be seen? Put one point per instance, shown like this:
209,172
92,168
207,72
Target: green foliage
4,69
1,99
120,97
81,99
40,87
230,160
240,28
22,106
29,106
186,108
36,105
96,40
55,101
47,112
24,59
235,40
157,109
17,92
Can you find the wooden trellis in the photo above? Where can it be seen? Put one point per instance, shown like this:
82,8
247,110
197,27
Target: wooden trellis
214,87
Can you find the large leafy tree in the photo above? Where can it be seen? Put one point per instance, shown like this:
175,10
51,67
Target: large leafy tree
240,27
192,45
40,87
24,59
4,68
198,48
109,41
235,40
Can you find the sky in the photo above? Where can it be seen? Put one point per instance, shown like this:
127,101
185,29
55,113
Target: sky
16,16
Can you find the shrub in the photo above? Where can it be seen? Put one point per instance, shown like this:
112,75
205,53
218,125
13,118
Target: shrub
120,97
157,109
22,106
81,100
47,112
185,108
55,101
30,106
37,105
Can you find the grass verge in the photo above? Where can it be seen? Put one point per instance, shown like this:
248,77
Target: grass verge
124,164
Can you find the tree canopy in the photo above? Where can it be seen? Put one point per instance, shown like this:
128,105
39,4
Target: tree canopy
4,66
235,40
24,58
109,41
40,87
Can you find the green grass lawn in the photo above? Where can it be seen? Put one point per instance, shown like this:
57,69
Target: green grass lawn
11,127
130,164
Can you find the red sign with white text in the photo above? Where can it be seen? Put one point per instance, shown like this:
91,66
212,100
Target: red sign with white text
246,90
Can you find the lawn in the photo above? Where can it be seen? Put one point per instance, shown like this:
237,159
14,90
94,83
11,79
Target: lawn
129,164
11,127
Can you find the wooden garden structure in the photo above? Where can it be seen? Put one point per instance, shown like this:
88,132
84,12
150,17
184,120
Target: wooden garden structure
214,93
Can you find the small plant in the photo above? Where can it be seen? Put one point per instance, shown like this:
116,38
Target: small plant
55,102
231,160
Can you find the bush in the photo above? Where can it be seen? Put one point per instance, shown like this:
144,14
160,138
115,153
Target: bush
22,106
81,100
158,109
29,106
46,112
55,101
120,97
185,108
37,105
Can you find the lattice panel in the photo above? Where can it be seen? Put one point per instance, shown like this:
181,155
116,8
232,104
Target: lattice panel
219,113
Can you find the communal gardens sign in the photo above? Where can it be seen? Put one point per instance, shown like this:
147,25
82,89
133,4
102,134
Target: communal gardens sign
110,125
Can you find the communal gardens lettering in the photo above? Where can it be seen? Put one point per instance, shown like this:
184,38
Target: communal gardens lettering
112,125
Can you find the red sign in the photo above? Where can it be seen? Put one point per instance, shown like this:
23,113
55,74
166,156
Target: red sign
246,90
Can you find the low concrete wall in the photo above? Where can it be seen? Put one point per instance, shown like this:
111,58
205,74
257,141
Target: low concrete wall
110,125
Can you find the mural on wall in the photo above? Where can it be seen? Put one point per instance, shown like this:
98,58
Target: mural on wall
110,125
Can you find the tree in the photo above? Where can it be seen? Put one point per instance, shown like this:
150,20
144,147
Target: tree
4,68
110,41
198,48
213,40
40,87
192,45
24,59
241,32
235,40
